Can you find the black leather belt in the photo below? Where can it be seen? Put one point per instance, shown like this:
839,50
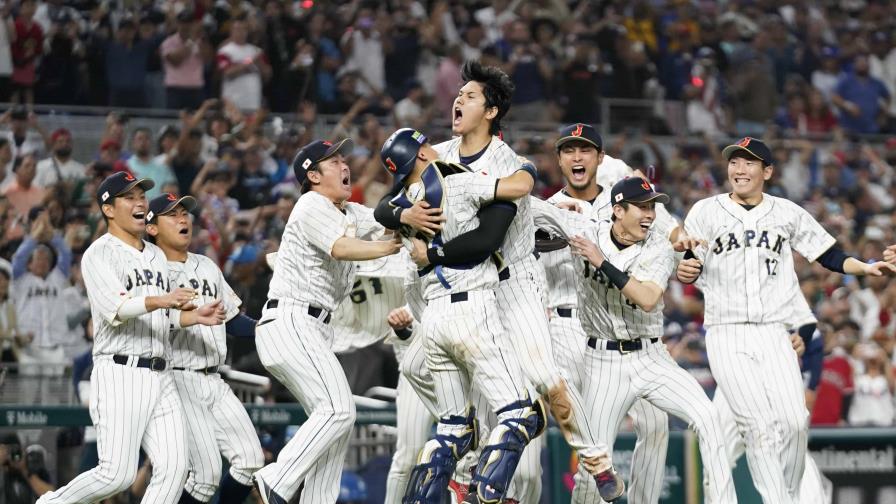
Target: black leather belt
312,310
208,370
564,312
623,346
459,297
153,363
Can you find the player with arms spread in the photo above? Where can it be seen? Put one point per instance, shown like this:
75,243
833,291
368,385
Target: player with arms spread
745,271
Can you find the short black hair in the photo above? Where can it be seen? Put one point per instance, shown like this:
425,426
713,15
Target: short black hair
750,157
496,87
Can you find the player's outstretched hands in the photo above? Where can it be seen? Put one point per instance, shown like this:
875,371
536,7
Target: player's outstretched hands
180,298
799,346
423,218
890,254
689,270
399,318
584,247
686,242
881,268
572,206
418,253
211,314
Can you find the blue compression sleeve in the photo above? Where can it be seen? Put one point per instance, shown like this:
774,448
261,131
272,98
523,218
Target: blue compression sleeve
241,326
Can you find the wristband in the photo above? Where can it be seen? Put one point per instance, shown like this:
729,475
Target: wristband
403,334
435,256
617,277
530,169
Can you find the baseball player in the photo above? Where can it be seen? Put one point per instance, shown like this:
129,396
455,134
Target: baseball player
481,103
624,276
134,402
582,161
745,271
216,421
461,347
312,275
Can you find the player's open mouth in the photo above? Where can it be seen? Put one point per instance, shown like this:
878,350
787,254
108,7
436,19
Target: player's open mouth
739,180
138,215
184,231
578,172
345,181
645,226
458,115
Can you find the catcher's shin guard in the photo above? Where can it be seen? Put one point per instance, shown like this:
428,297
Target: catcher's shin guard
505,446
428,482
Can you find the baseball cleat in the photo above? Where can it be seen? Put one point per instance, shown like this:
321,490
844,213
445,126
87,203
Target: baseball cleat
610,485
457,491
268,495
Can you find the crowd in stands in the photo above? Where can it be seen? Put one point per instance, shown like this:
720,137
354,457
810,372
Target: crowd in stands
784,71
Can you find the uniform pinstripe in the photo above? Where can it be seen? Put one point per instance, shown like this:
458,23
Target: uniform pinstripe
216,421
521,303
747,276
613,380
130,407
296,347
650,423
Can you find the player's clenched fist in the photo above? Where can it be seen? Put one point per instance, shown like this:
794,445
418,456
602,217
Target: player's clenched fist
399,318
689,270
418,253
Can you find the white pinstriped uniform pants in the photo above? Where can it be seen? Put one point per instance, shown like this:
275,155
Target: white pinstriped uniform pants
295,349
131,408
217,423
614,381
648,466
758,371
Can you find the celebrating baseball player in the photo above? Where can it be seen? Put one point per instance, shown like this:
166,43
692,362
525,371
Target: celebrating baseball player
582,161
461,347
745,271
135,402
312,275
216,421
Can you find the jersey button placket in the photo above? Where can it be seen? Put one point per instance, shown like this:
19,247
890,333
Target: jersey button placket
752,265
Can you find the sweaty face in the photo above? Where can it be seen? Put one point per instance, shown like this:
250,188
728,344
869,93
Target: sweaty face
747,175
636,219
578,162
128,210
469,110
334,178
173,229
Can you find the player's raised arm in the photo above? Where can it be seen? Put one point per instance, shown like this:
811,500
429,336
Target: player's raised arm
519,184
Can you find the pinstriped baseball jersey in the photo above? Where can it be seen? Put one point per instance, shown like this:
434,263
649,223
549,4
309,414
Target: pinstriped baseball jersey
801,312
499,160
114,272
464,194
604,311
747,262
200,346
36,299
360,320
304,270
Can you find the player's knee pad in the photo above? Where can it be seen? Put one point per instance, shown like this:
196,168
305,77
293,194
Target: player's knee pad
506,443
428,483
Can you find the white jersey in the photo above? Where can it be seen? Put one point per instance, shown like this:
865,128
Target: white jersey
37,301
464,194
748,261
604,312
612,170
360,320
201,346
801,313
50,170
305,271
114,272
499,160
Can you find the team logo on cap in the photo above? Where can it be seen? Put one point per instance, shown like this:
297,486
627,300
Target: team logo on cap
327,143
619,197
150,215
129,177
305,164
745,142
172,197
578,131
645,185
390,165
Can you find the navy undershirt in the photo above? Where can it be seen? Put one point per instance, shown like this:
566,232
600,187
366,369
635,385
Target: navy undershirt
467,160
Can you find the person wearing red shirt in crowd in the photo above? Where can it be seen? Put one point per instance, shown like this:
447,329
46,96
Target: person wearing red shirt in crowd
27,47
835,389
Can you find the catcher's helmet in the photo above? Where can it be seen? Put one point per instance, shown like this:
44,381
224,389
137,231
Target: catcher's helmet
399,152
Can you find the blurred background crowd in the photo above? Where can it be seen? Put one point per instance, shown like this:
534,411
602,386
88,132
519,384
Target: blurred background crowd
245,83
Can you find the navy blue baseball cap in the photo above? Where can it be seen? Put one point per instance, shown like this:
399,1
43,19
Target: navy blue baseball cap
636,190
399,152
119,183
751,146
581,132
166,202
315,152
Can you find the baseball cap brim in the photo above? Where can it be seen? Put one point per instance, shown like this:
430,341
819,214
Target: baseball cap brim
565,140
189,203
343,147
654,196
144,183
729,151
